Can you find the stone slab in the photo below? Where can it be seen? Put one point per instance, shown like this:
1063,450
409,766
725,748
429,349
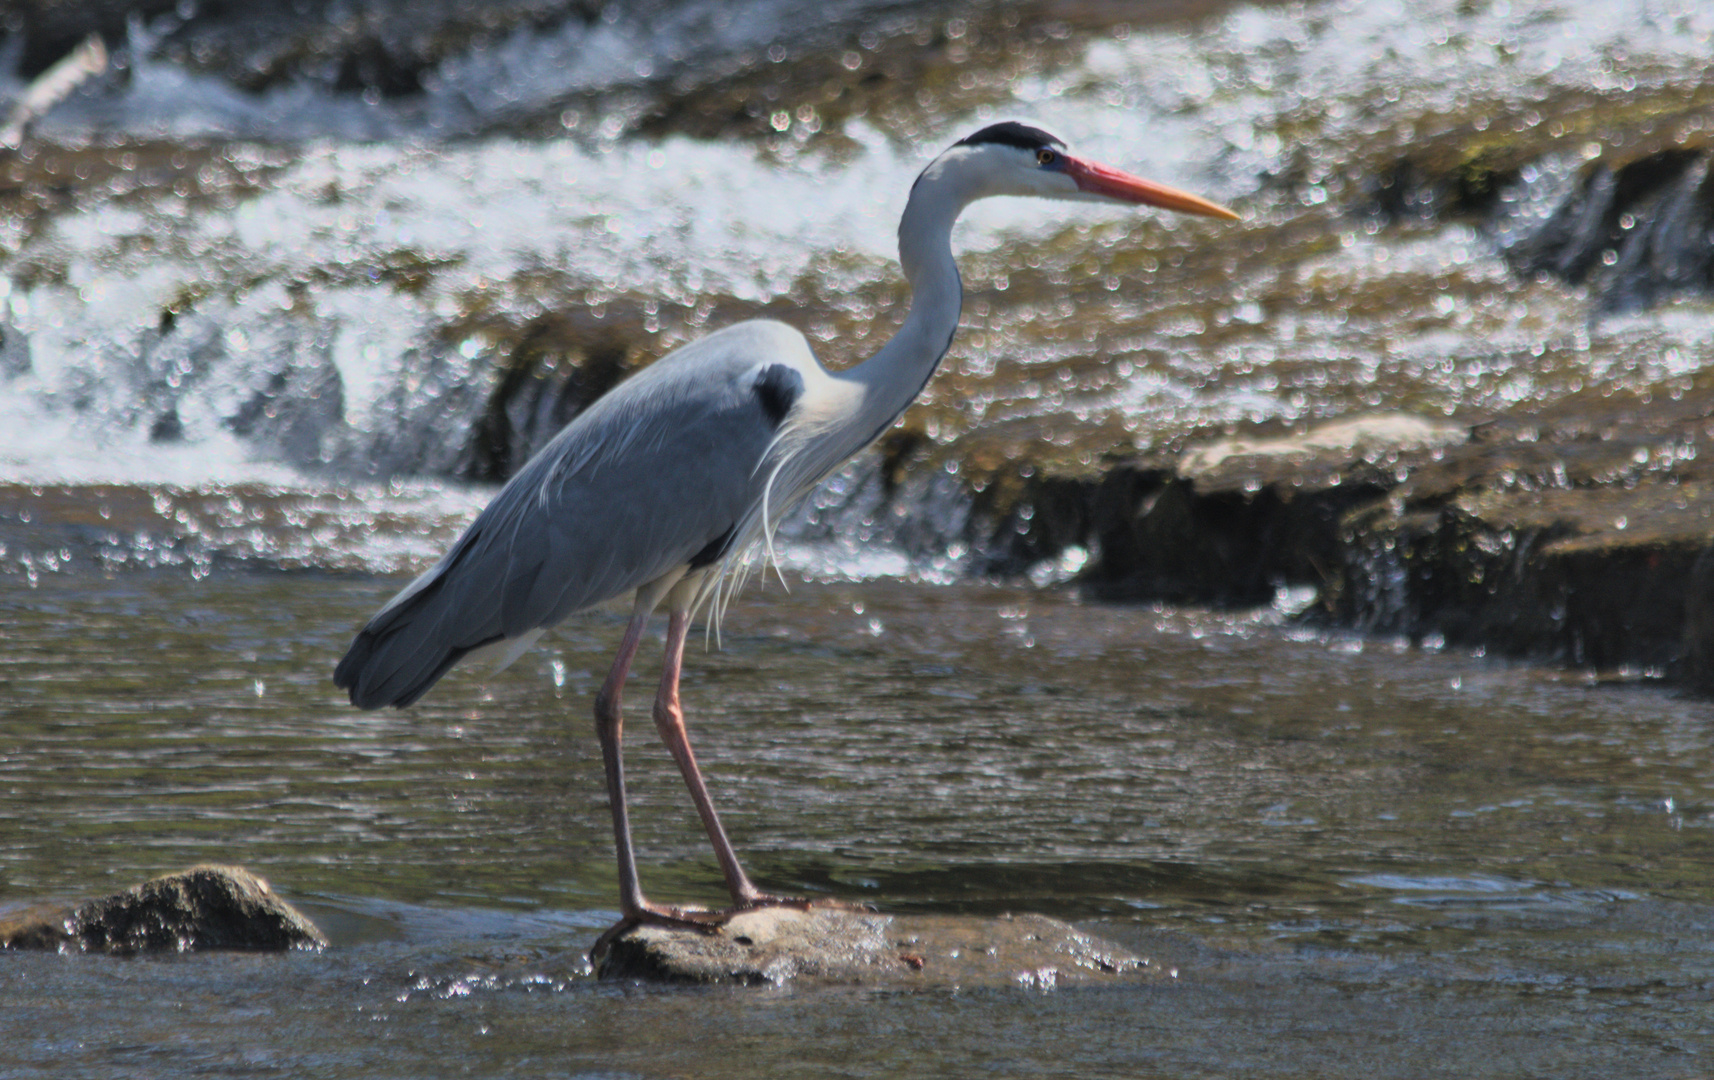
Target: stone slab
779,945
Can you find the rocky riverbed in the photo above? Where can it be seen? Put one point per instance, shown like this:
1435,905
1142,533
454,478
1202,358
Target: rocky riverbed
1446,381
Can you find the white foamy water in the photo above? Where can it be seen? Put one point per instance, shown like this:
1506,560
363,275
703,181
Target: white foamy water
295,353
290,281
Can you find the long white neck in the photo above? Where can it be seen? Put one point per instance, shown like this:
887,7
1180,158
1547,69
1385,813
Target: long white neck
864,400
893,377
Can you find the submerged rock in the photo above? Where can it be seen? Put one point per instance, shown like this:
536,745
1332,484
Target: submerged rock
204,907
778,945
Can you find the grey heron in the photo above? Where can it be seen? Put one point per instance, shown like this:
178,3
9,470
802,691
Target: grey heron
665,484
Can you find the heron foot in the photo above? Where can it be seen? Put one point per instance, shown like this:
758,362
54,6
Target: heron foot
702,920
799,903
708,920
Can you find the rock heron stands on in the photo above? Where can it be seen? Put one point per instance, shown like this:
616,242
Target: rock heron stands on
667,483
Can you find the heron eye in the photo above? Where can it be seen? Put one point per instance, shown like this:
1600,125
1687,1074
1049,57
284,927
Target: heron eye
1044,156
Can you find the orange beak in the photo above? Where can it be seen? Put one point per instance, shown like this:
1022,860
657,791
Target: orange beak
1114,184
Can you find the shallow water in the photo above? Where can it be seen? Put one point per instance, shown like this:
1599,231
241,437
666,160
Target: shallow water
1360,857
243,341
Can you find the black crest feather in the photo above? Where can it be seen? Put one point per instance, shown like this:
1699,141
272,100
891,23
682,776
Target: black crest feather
1012,133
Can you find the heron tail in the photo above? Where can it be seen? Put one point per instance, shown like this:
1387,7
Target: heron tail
404,649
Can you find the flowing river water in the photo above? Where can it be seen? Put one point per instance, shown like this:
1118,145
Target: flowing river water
1358,858
248,334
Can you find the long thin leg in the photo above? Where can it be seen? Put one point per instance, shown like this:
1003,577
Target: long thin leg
669,721
610,729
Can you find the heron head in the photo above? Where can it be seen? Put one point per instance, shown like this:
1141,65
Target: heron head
1010,158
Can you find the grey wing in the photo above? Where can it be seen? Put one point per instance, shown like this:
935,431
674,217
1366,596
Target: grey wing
654,476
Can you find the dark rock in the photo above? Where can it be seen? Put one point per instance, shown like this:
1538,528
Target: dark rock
205,907
1225,522
14,351
1230,521
1568,534
1579,533
1590,577
40,926
368,44
167,427
1637,233
1698,649
51,28
559,364
1569,244
779,945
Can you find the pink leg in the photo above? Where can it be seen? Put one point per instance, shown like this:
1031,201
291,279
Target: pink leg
669,721
610,729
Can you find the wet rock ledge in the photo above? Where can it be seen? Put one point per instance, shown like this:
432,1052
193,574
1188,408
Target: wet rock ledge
204,907
1581,534
830,945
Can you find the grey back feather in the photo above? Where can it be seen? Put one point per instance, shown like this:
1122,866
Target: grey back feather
651,474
